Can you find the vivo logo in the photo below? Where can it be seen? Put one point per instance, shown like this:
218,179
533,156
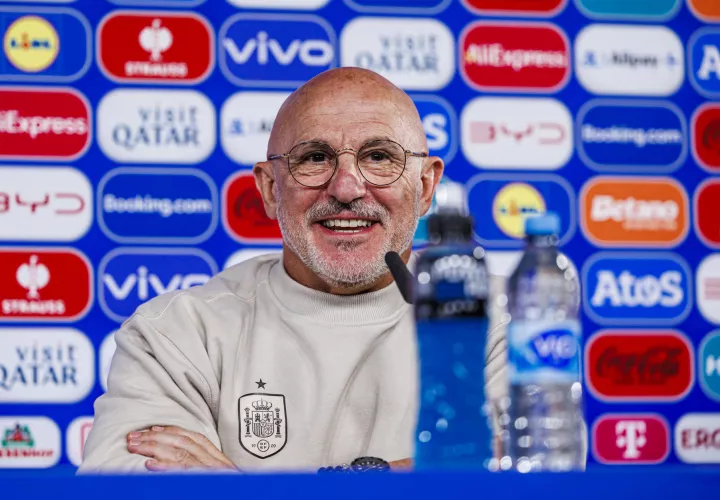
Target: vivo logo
130,277
627,288
275,50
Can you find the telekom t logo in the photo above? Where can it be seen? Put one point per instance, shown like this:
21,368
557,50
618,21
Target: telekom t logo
631,437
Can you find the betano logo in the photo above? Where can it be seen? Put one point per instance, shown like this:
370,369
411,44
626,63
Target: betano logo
705,10
514,57
31,44
634,212
629,60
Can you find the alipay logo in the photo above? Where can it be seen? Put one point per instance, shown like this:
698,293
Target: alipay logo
623,289
704,61
709,368
440,123
632,136
275,50
148,205
129,277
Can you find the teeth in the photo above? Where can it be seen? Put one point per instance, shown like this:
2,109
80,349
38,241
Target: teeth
343,223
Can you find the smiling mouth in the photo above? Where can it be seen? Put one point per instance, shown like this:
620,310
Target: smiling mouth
346,226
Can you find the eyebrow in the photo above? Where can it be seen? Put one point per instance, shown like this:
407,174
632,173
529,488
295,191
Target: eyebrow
371,139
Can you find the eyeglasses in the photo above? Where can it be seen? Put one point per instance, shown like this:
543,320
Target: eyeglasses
313,164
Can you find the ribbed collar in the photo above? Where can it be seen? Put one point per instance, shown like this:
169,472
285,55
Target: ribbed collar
335,309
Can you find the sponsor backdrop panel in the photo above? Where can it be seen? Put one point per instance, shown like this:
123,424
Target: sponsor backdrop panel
128,131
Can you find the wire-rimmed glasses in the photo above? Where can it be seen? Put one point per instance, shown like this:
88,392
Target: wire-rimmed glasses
313,164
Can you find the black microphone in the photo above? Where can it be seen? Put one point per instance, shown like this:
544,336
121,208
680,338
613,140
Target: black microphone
403,277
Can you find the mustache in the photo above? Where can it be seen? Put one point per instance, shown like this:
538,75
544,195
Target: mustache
360,208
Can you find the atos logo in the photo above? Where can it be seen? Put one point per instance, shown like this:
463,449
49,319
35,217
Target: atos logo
625,289
709,365
157,205
511,202
630,439
129,277
275,50
398,6
44,45
517,57
639,365
632,136
651,10
244,214
440,124
704,61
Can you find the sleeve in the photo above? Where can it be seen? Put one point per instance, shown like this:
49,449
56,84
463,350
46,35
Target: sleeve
151,382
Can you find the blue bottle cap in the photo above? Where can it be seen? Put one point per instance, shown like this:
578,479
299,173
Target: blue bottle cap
543,225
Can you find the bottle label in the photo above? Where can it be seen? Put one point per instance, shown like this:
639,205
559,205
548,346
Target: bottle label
544,351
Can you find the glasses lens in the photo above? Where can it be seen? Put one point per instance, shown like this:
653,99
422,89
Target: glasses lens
381,162
312,163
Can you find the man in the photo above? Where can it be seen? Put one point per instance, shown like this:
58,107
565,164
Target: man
296,362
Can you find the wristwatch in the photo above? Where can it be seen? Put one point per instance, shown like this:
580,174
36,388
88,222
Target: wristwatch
362,464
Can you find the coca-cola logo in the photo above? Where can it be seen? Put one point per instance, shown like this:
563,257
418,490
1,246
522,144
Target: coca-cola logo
639,365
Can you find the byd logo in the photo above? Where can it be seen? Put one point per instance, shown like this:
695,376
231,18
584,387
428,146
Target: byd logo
275,50
626,439
648,365
49,124
514,57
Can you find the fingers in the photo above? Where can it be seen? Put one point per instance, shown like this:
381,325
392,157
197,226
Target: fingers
168,447
198,438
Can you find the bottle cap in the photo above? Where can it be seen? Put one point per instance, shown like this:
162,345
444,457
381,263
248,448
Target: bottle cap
450,198
543,225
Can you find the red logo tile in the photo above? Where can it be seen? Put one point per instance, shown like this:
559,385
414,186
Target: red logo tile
244,214
514,57
706,137
39,284
167,47
630,439
707,211
516,7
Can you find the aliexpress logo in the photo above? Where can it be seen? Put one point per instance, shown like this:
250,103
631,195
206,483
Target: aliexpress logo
634,212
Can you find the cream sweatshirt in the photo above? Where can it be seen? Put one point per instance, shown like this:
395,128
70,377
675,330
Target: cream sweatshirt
280,377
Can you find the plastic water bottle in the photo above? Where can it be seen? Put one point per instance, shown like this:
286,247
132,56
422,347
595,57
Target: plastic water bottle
451,293
544,350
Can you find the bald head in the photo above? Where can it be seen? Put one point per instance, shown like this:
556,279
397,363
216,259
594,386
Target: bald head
332,94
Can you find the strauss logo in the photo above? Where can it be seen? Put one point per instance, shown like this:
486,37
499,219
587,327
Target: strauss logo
156,39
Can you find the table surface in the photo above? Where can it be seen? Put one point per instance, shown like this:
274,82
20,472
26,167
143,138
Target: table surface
619,483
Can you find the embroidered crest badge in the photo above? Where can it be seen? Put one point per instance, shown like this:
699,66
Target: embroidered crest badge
263,423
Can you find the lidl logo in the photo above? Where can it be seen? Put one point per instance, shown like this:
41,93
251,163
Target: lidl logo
707,208
639,365
512,201
514,57
153,205
396,6
634,211
49,45
645,288
162,47
705,128
275,50
243,212
629,9
517,133
632,136
705,10
618,59
533,8
129,277
704,61
440,124
709,365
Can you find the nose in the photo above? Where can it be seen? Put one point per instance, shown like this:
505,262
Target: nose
347,184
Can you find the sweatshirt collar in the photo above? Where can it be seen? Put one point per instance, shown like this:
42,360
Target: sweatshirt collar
345,310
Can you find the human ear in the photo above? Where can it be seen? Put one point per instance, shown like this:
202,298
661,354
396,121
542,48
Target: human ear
265,183
430,175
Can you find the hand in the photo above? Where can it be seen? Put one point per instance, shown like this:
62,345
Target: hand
405,465
173,449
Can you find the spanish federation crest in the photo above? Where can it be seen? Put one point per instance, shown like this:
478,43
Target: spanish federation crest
263,423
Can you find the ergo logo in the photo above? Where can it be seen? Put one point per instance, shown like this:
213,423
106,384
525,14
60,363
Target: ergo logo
634,211
697,438
514,57
49,124
639,365
630,439
275,50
